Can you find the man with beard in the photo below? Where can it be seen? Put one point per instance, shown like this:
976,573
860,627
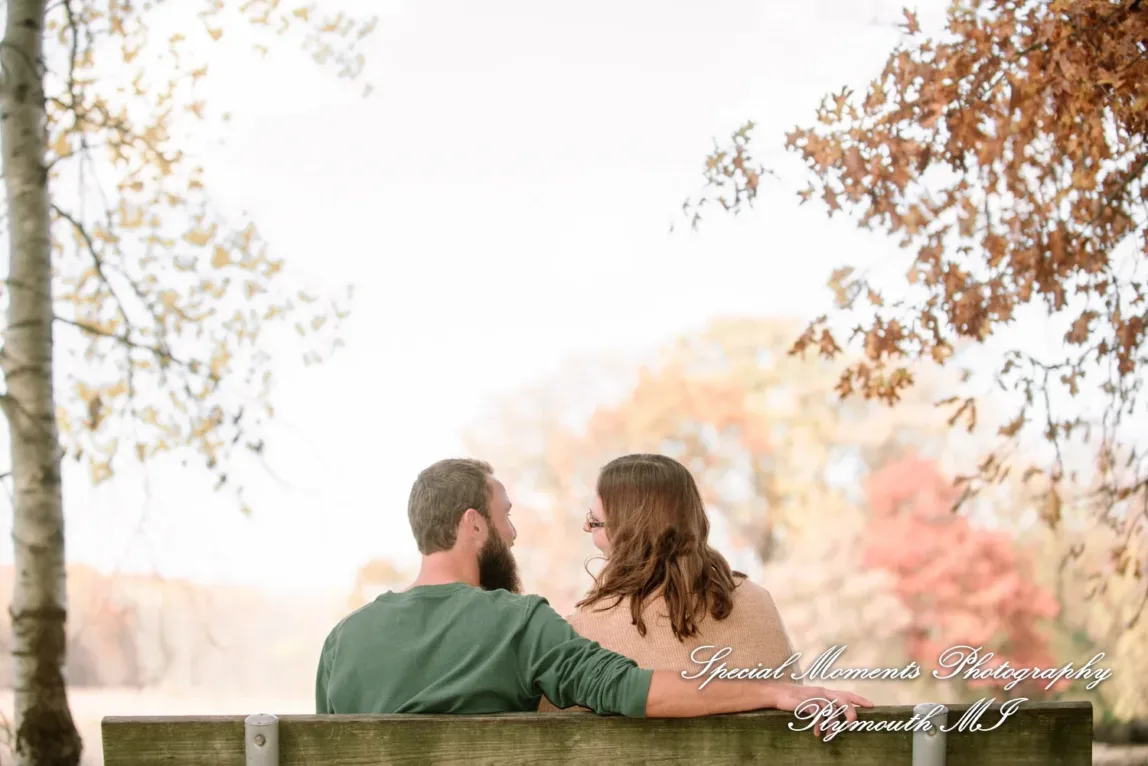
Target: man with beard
462,639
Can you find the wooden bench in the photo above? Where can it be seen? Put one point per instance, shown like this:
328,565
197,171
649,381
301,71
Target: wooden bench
1036,734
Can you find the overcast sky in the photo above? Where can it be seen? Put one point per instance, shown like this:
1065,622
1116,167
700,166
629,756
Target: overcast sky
501,202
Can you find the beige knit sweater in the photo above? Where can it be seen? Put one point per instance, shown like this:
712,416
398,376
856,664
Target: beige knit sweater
753,630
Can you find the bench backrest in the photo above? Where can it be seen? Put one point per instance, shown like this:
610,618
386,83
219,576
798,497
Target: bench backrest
1056,733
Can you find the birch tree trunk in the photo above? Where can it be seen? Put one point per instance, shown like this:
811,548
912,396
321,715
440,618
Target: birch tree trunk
45,732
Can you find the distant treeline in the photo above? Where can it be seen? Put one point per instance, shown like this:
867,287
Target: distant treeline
145,631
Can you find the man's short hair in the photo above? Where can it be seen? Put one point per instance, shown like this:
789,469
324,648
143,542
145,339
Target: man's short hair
441,495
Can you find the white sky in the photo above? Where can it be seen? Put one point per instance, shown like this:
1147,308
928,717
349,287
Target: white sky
501,203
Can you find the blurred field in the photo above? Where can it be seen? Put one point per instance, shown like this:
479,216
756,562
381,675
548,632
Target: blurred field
146,645
89,706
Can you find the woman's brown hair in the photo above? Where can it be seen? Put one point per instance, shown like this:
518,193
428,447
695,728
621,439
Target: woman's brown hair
658,542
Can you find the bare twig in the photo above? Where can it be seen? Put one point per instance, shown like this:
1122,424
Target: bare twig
163,354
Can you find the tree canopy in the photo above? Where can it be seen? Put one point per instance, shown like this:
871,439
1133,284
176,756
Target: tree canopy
161,297
1009,157
169,295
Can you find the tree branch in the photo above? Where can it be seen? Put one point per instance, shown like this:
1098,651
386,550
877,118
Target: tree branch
74,51
163,354
96,259
98,263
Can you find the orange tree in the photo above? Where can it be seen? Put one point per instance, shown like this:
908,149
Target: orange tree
774,450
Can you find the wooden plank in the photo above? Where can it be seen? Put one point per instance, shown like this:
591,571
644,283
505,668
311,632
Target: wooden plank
1052,734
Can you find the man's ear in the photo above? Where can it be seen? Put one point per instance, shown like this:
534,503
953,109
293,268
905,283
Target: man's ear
472,521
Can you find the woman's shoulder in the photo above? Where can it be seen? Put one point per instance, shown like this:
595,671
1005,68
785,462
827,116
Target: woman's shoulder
746,586
598,612
750,593
747,595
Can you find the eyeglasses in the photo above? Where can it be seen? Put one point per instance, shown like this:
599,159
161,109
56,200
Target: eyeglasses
592,522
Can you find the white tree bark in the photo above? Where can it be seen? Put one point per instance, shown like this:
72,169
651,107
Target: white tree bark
45,731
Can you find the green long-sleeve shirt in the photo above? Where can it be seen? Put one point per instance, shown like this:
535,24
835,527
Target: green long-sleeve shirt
459,649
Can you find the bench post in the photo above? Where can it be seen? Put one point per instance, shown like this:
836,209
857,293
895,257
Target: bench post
261,740
929,743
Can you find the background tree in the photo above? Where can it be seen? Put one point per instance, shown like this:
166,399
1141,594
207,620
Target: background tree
779,459
113,238
961,585
839,507
1098,604
1010,156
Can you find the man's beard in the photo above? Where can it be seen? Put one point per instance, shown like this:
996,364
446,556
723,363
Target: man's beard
497,569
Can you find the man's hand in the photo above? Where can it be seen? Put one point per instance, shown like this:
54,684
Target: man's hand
816,702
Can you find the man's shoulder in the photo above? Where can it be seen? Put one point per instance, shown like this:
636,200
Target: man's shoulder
526,602
499,600
512,607
333,633
526,611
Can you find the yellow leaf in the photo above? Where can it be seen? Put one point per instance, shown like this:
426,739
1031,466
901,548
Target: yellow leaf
199,237
221,258
101,471
62,147
215,33
131,217
219,362
1052,508
85,393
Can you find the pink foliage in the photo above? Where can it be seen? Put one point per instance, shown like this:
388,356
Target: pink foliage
962,586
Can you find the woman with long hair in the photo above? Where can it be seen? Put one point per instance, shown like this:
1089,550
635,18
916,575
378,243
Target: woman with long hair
664,593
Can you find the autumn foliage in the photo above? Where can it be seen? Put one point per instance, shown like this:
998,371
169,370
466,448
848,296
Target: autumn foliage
1035,114
168,297
764,435
962,586
1009,157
